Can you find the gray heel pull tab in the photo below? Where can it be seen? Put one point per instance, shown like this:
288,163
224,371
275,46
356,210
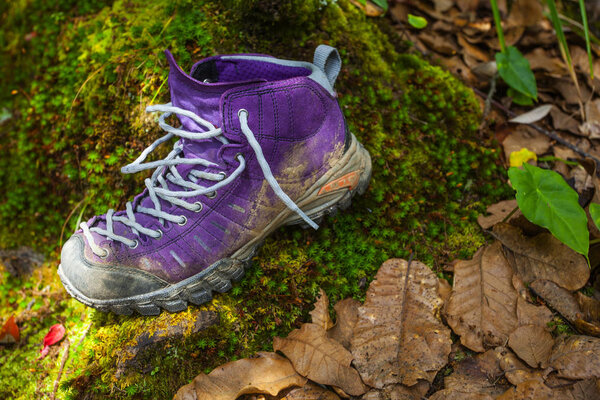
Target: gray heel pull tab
328,60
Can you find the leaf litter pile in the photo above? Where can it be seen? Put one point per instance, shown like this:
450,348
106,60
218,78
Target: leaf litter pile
522,317
397,344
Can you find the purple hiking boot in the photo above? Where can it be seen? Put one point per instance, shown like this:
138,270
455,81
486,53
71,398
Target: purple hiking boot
262,143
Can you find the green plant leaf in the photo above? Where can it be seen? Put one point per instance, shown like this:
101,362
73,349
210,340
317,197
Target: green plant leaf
383,4
514,68
586,31
548,201
519,98
595,214
417,22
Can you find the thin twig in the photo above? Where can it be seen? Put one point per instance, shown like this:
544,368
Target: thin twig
551,135
65,357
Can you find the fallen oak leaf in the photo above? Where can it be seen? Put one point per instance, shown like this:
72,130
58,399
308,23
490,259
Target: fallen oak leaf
55,334
482,306
399,337
532,344
268,373
10,332
542,257
320,359
320,314
576,357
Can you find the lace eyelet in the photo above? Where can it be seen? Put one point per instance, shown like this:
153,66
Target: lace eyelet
160,234
212,195
106,253
242,110
137,242
223,174
182,223
200,206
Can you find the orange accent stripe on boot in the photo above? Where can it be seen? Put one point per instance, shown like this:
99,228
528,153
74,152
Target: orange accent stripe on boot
349,181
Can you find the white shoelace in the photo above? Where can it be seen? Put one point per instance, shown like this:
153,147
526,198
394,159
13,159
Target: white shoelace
157,183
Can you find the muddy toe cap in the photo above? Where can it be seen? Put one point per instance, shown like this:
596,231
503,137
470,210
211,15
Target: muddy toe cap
94,283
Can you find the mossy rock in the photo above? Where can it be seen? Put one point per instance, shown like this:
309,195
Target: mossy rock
79,77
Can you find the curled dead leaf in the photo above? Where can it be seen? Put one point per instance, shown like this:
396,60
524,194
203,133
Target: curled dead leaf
346,316
320,314
320,358
542,257
399,337
482,306
576,357
533,344
268,373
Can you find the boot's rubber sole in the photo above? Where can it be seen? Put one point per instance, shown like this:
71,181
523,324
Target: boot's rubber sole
332,192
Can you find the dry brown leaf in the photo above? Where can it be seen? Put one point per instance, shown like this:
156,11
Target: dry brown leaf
576,357
542,257
580,60
482,307
568,91
399,337
588,389
497,212
589,306
529,314
398,392
310,391
443,5
591,126
560,299
564,122
440,44
320,314
532,390
450,394
524,136
346,316
444,290
524,13
532,344
268,373
539,59
472,50
477,374
458,68
586,327
320,359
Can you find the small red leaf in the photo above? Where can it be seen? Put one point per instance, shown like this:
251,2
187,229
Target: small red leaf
54,335
9,332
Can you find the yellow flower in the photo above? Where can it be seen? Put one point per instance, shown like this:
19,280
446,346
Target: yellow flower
517,158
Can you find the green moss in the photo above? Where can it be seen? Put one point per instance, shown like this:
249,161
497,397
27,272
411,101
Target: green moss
82,82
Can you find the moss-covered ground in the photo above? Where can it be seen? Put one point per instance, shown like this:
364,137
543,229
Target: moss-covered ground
76,77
